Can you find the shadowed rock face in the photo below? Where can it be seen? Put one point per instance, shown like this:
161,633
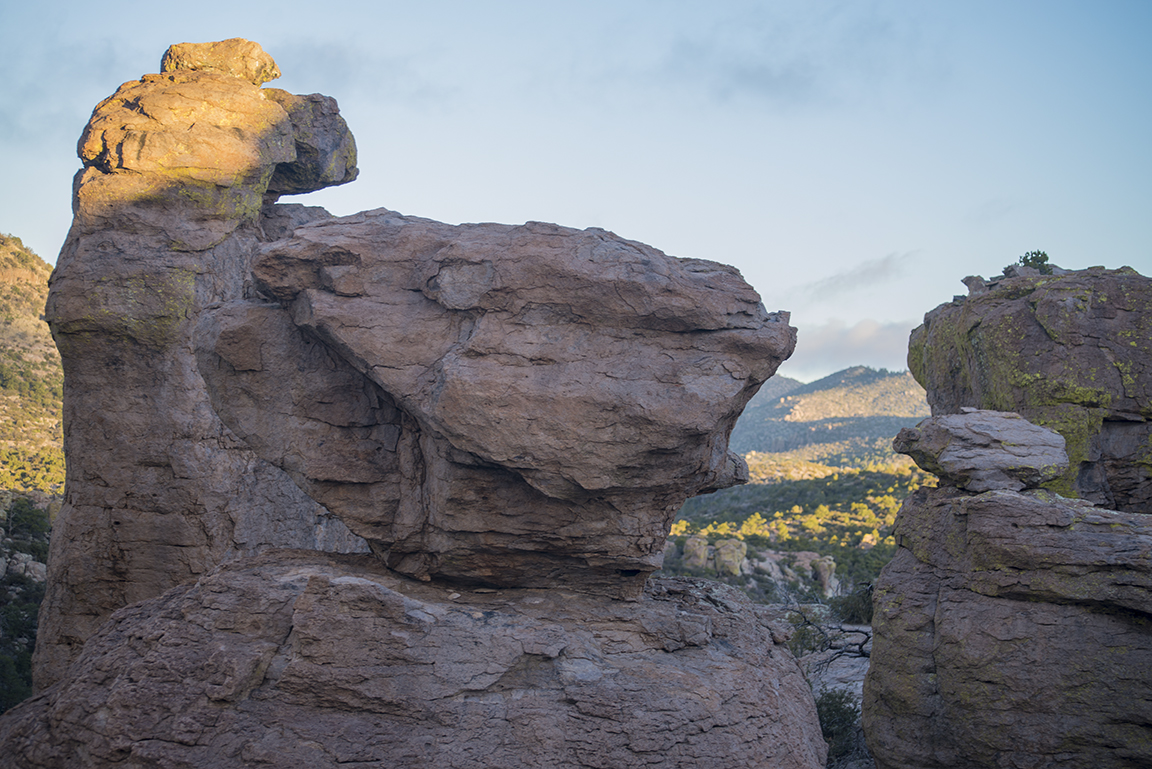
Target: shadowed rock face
1070,352
1012,627
514,406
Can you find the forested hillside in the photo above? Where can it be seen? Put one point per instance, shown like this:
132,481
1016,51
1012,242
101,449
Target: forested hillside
31,377
824,476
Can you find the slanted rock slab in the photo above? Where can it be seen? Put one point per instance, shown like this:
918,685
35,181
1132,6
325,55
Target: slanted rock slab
982,450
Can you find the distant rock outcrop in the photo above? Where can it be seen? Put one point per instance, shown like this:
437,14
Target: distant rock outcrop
1012,627
1071,351
507,417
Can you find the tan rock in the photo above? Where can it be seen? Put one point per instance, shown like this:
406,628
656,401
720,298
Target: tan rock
264,663
167,222
729,556
696,554
235,57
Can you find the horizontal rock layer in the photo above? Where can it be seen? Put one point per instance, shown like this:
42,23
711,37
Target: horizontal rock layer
985,450
1012,630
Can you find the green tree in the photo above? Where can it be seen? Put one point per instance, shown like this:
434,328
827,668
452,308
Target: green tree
1037,259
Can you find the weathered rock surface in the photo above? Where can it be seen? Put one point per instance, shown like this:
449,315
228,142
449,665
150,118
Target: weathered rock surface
985,450
1070,351
1012,630
264,663
524,407
168,217
537,402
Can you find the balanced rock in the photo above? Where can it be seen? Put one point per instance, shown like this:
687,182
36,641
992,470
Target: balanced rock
236,57
1011,630
479,407
510,405
985,450
1069,351
300,659
170,209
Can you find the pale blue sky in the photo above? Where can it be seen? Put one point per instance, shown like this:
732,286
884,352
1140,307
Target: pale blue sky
854,159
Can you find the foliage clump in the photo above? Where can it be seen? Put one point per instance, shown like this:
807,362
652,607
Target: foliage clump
839,715
26,529
1037,260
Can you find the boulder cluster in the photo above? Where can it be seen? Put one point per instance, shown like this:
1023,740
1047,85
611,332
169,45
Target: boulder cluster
1012,628
377,490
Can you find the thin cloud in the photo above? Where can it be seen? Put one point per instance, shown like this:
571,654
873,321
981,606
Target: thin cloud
869,273
835,52
835,345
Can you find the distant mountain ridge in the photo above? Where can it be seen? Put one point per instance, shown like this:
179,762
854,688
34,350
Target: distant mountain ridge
845,419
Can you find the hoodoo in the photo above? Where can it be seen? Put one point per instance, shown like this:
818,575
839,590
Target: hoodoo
377,490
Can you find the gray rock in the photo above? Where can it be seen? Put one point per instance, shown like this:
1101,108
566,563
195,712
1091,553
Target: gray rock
985,450
297,659
1011,630
1069,351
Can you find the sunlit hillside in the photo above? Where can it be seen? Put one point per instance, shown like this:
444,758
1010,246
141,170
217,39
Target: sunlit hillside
31,377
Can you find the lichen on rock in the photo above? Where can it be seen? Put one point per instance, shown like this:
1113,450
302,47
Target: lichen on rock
1069,351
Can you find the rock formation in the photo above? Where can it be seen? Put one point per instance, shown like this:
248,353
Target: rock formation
1071,351
534,402
168,218
301,659
505,417
1011,629
985,450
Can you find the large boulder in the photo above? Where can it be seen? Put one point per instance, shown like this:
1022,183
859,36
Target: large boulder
532,403
1011,630
985,450
170,209
502,420
1071,351
300,659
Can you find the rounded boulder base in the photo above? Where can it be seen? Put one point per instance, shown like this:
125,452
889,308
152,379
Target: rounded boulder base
299,658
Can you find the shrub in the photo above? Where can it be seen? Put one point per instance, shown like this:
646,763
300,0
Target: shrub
840,723
854,608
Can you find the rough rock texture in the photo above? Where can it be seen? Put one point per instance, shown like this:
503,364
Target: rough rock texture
537,402
1012,630
235,57
481,405
1071,352
167,222
985,450
263,664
